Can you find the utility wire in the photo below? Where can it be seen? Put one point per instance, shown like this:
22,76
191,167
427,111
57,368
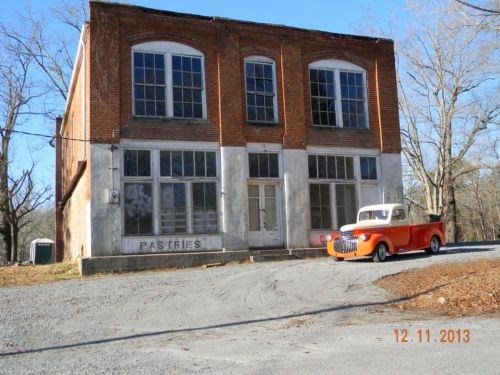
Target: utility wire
48,136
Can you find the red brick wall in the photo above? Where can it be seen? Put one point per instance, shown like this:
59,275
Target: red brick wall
114,29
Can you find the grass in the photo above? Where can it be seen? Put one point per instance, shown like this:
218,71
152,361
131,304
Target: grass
39,274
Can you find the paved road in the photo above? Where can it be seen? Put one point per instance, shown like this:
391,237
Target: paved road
308,316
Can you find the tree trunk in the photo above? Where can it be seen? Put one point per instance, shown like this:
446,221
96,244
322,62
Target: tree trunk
14,232
450,209
7,240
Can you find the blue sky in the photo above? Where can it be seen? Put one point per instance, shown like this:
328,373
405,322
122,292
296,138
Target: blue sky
333,16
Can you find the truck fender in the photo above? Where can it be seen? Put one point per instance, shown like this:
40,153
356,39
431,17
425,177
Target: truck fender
377,238
435,232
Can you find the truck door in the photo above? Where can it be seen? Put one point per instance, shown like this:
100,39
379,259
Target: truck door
400,231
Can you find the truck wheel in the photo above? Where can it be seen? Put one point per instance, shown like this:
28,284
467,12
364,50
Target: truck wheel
337,259
380,253
435,246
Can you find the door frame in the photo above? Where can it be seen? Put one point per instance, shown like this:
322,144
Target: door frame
279,213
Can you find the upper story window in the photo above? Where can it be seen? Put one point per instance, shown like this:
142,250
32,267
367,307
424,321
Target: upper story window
338,94
260,78
168,80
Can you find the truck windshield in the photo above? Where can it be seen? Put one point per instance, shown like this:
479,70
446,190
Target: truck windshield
373,215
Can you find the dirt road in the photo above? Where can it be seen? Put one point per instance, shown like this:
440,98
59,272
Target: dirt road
308,316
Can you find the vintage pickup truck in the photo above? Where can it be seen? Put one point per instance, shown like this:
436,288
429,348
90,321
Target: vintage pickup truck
383,230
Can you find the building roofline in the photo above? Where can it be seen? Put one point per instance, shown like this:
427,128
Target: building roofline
235,21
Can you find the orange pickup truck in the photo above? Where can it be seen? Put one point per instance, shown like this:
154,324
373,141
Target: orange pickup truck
383,230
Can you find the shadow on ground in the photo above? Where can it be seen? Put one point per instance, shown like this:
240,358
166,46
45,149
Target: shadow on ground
210,327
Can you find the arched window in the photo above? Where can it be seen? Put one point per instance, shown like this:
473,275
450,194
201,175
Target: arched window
168,81
260,78
338,94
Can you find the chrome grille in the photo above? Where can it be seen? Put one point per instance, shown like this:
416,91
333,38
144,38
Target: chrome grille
345,244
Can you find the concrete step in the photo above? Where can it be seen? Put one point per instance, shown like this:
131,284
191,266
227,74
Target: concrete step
271,258
270,252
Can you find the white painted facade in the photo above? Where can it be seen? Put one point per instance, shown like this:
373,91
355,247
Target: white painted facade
280,205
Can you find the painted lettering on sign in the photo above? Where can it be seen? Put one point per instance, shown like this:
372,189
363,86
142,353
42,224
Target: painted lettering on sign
131,245
181,245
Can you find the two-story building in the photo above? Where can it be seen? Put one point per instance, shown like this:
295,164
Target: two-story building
193,133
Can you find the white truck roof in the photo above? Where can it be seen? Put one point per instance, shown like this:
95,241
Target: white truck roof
382,207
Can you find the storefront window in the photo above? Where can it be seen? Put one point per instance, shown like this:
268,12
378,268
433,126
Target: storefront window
170,192
204,208
138,201
320,206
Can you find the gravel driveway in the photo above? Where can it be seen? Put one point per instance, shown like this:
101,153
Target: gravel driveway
307,316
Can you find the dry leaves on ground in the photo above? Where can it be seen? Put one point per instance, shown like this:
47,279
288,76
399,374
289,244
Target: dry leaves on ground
454,289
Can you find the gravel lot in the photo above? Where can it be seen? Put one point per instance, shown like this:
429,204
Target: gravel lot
308,316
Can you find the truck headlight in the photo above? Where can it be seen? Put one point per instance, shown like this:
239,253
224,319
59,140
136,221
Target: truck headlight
365,236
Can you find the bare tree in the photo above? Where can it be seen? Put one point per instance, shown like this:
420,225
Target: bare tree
17,92
448,99
483,17
22,199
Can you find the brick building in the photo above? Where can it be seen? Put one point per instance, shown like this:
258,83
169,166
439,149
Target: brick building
192,133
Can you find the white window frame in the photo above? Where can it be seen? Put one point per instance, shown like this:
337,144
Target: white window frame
259,60
338,66
168,49
156,180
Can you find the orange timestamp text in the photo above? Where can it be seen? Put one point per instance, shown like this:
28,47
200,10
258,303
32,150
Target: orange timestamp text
449,336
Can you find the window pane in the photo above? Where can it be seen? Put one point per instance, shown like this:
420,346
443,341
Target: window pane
273,165
176,163
138,59
165,163
253,165
176,63
130,162
200,163
322,166
365,172
340,167
253,208
345,204
143,163
138,208
373,169
211,164
188,163
140,108
323,97
138,75
187,90
314,195
173,208
331,167
349,165
320,206
313,171
204,208
263,165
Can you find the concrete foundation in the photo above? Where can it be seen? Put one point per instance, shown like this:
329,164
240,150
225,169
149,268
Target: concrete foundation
143,262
